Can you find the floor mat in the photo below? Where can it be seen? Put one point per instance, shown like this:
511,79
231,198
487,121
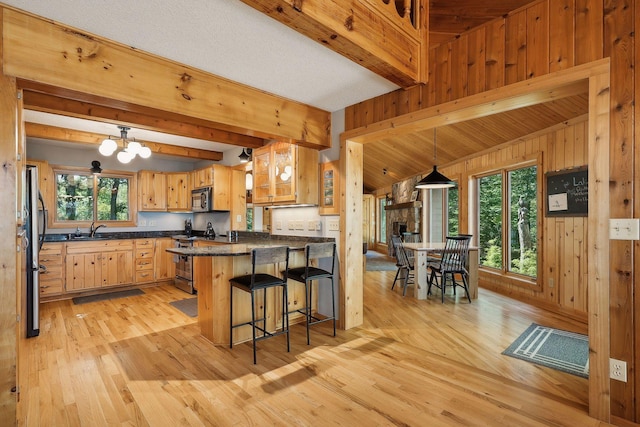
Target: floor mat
188,306
554,348
107,296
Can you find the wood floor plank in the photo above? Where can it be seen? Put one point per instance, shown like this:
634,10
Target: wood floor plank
138,361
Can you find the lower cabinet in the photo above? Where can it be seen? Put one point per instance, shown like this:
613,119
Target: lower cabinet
52,270
91,265
144,260
165,268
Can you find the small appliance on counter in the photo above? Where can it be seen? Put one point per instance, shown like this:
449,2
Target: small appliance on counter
210,233
188,228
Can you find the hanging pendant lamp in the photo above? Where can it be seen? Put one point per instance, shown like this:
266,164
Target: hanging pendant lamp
435,179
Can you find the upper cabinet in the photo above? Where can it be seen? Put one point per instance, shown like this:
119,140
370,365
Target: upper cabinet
329,188
284,173
152,191
178,191
218,177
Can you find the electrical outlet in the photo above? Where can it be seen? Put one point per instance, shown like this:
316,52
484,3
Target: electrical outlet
152,223
618,370
278,225
142,223
550,282
291,225
333,225
300,225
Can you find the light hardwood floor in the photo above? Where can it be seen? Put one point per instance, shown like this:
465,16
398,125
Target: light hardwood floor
138,361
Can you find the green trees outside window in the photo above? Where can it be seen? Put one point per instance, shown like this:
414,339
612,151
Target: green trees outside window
84,197
519,188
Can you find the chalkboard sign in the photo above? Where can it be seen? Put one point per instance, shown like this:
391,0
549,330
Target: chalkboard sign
568,192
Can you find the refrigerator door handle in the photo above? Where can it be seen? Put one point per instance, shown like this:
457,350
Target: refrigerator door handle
44,222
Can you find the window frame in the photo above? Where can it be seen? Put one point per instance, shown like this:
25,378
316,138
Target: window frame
379,222
508,276
53,222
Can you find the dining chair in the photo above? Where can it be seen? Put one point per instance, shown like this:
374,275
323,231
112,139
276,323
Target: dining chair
453,261
404,263
314,253
255,282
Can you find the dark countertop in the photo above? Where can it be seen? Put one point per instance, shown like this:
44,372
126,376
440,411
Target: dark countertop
244,246
119,235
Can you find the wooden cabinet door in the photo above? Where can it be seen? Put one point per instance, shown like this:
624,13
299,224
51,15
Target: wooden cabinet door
83,271
201,177
261,175
117,268
178,191
283,171
152,191
164,265
329,199
221,188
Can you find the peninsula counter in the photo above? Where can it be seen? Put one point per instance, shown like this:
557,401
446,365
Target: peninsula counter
215,263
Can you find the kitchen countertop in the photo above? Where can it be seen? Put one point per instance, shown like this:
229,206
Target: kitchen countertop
244,246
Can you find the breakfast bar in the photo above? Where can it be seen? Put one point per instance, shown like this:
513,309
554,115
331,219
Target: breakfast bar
213,266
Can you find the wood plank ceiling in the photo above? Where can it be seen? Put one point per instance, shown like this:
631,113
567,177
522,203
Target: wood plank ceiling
390,160
449,18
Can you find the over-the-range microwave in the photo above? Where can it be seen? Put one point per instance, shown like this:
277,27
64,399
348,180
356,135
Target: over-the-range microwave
201,200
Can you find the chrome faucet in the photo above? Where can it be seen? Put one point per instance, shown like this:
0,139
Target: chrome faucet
93,229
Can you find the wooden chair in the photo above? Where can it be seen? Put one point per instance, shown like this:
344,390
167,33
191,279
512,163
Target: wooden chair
404,263
314,252
261,282
453,261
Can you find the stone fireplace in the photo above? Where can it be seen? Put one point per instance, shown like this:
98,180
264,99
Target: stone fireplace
405,212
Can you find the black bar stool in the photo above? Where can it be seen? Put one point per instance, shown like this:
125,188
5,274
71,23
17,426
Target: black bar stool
309,273
261,281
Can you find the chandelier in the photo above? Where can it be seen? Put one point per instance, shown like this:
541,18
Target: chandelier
130,147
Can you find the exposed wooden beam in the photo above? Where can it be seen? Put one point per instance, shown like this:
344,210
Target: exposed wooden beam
35,130
372,34
160,122
38,50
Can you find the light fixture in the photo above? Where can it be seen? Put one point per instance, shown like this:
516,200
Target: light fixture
435,179
248,181
245,156
131,147
95,167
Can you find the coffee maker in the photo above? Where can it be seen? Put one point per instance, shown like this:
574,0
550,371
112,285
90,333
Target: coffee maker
209,233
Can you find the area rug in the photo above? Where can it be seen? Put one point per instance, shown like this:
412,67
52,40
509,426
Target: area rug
380,262
107,296
562,350
188,306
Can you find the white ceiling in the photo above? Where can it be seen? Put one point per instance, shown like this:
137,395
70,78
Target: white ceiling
224,37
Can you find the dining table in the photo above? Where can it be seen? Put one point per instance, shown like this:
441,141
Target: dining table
421,252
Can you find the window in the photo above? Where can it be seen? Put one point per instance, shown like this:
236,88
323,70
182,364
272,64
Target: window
81,197
382,220
508,220
453,212
249,218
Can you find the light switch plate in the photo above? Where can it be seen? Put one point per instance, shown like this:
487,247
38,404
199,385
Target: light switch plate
624,229
333,225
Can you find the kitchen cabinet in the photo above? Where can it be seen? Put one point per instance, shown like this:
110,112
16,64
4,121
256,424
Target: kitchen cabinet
282,174
152,191
144,260
165,268
178,191
329,201
91,265
52,271
218,177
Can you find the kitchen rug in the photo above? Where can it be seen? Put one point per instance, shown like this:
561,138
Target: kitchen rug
107,296
562,350
188,306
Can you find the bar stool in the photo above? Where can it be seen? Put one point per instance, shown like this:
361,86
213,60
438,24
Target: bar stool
261,281
309,273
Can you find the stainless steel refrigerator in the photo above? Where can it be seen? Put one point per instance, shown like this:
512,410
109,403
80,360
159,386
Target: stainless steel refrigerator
35,223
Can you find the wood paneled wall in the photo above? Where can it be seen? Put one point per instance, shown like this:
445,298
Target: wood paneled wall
544,37
563,282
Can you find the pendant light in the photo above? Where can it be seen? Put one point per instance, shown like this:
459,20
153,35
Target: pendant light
131,147
435,179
